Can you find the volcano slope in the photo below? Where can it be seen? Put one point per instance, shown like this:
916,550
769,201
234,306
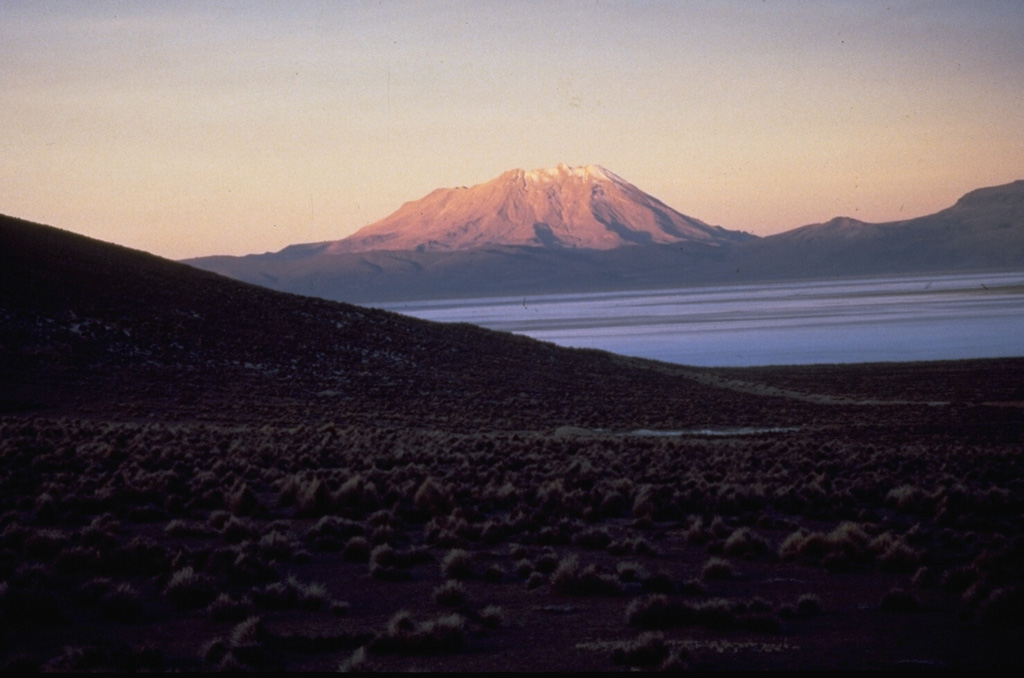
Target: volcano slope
201,474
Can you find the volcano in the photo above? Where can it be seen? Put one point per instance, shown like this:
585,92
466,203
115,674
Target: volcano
586,207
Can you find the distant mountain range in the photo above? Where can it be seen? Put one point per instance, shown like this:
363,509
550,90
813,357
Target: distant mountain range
575,229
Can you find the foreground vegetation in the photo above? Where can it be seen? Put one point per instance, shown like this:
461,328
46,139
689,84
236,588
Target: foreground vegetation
197,474
196,545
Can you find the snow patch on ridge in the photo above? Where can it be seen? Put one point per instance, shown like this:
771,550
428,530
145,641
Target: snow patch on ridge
563,171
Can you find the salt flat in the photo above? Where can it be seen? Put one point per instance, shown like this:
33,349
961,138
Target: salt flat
936,317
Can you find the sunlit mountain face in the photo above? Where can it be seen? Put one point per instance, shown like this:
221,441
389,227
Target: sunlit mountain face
585,207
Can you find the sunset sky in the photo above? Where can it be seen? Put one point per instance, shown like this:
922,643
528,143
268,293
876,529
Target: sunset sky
193,128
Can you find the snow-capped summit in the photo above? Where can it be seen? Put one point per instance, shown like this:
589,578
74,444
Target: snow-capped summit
585,207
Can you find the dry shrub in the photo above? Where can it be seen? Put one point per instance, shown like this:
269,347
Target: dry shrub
654,612
1004,607
808,605
433,498
246,642
571,579
385,563
226,608
241,500
236,529
630,571
910,499
893,553
535,581
592,538
354,493
492,616
358,662
546,562
291,594
122,603
718,568
839,549
645,503
745,543
648,650
278,546
451,593
457,564
190,589
312,498
357,550
45,544
188,528
404,635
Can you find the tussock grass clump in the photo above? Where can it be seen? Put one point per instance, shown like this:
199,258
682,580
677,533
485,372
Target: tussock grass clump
655,612
457,564
808,605
492,616
331,533
404,635
592,538
718,568
246,644
451,593
839,549
357,550
390,564
546,562
535,581
291,594
433,498
894,554
190,589
358,662
45,544
1003,607
647,651
122,603
277,545
242,501
226,608
312,498
188,528
911,499
235,530
745,543
572,579
630,571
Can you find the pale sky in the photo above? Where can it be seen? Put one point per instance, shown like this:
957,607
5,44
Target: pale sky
194,128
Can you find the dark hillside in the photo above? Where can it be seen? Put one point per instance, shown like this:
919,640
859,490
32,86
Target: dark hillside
86,322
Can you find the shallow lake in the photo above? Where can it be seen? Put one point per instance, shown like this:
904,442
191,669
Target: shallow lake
837,321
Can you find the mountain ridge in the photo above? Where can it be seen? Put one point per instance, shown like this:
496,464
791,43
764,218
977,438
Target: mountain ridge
982,231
